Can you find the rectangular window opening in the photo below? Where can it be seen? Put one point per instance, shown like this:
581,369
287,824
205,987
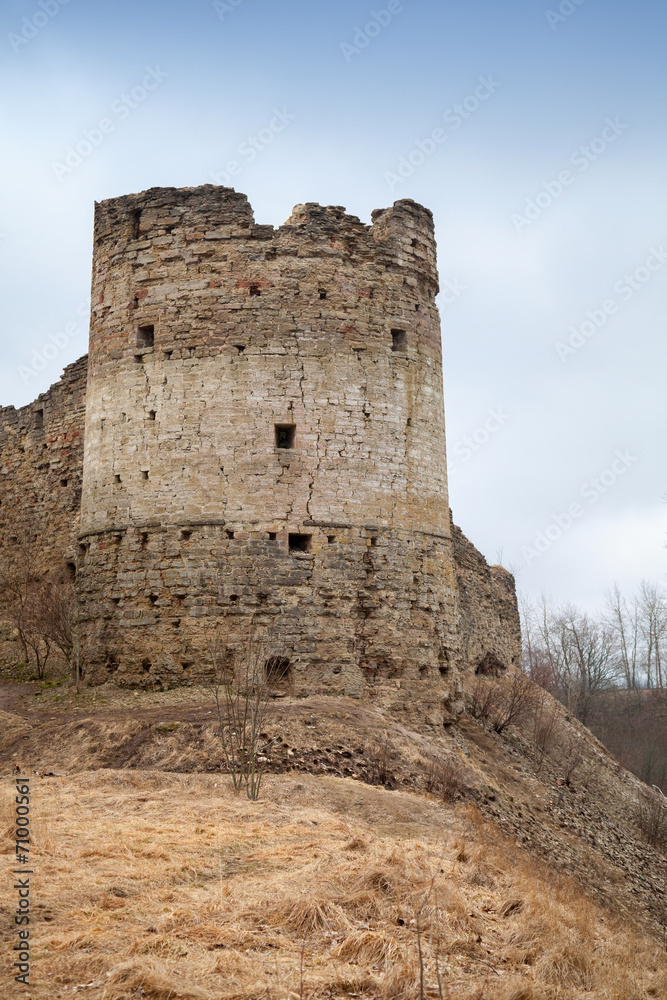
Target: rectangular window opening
136,223
144,473
285,435
39,419
300,543
255,290
399,340
272,536
152,414
146,336
116,479
323,293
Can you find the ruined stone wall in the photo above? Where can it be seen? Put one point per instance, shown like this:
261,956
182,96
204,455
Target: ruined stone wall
488,616
41,465
209,332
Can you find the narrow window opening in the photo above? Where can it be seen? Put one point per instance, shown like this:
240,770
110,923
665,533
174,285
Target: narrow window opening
139,358
136,223
409,421
146,336
443,671
255,290
272,536
285,436
229,534
323,293
116,479
399,340
63,482
186,534
144,539
413,243
374,541
152,414
300,543
240,348
39,419
83,549
71,570
234,598
146,665
144,473
331,539
153,599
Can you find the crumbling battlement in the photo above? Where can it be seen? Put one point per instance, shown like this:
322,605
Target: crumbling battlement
265,451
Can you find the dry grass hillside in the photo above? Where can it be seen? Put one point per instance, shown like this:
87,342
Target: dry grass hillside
379,862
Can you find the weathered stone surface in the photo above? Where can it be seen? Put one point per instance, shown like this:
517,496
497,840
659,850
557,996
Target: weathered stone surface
265,449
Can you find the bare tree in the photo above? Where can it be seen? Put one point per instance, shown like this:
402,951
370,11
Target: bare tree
579,649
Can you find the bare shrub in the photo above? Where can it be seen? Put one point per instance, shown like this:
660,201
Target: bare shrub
443,778
513,702
544,727
241,700
381,755
482,700
652,818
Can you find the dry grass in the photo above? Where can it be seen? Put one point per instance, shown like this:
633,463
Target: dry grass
167,886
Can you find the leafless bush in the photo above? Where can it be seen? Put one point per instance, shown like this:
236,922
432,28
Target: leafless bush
652,818
241,699
381,755
513,702
443,778
544,726
482,700
571,756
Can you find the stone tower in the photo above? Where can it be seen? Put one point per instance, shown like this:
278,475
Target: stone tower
265,448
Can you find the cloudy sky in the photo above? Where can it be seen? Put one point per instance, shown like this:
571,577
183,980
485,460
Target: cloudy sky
534,130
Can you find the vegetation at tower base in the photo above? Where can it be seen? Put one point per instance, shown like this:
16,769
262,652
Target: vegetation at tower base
264,448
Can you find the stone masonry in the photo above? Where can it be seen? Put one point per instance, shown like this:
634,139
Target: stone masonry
264,453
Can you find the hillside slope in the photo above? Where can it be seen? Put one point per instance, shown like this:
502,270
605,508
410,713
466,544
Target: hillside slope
529,887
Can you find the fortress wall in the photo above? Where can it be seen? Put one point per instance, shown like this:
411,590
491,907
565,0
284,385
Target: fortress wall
488,616
41,465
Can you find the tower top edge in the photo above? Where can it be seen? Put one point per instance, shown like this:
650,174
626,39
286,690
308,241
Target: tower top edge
212,198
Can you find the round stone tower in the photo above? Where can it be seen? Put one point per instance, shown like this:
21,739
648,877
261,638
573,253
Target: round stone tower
265,449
